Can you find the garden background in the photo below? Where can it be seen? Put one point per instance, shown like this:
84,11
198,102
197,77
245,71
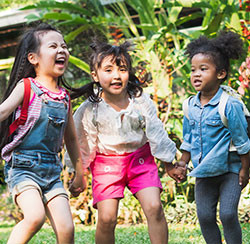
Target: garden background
159,31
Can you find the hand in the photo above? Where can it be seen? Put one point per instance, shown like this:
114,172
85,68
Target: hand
78,185
178,173
181,164
243,177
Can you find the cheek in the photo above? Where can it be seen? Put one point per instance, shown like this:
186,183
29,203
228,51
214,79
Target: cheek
125,77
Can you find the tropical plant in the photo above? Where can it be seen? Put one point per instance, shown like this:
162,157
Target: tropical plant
160,31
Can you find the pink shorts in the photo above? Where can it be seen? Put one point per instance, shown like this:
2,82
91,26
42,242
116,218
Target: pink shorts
111,174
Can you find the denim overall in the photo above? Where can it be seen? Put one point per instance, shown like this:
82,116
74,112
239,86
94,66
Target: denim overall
36,158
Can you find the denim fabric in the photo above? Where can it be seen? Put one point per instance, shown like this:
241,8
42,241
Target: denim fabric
43,169
47,134
208,192
208,140
36,158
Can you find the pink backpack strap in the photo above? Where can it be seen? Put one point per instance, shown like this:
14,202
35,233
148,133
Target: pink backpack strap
24,110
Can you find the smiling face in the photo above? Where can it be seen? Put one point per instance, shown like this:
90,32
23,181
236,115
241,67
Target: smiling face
52,57
204,76
112,78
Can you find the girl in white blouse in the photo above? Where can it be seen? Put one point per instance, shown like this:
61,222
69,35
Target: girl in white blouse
120,134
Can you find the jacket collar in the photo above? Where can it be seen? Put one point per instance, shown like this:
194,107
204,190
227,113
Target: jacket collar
214,101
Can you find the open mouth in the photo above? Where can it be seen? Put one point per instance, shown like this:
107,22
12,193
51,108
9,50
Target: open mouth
197,82
60,61
116,84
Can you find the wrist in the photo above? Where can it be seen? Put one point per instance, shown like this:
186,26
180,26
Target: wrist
182,163
169,166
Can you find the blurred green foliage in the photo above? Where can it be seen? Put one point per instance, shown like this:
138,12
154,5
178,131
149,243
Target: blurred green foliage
160,31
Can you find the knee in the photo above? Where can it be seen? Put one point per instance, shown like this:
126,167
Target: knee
107,220
228,217
35,222
65,229
206,216
154,209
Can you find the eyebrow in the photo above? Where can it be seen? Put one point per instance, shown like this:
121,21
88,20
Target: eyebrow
108,66
55,42
201,64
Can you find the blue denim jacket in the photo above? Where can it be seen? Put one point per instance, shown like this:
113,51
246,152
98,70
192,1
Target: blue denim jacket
208,140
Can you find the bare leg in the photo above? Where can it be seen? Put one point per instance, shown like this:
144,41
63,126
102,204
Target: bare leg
152,207
59,214
107,219
33,210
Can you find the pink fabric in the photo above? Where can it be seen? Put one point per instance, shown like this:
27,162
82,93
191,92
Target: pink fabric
53,95
111,174
33,115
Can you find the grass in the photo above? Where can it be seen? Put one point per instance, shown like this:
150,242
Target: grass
183,234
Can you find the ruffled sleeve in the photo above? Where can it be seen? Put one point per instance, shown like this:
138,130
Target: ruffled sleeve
86,133
162,147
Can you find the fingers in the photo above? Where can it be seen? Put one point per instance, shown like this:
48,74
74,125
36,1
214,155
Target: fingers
76,189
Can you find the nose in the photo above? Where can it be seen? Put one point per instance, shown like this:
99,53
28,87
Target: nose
117,74
61,49
196,73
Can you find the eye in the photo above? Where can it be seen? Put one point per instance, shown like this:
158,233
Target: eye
203,68
65,46
53,46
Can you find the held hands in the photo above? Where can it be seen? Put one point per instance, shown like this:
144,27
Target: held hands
177,171
78,185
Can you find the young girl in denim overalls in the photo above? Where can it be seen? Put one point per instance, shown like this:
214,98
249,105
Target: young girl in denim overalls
32,165
119,124
220,174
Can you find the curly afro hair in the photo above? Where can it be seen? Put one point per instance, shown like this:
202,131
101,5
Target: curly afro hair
227,45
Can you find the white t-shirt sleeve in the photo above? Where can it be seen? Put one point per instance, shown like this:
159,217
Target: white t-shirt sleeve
86,133
162,147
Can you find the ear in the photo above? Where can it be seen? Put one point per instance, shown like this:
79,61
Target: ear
221,74
94,75
32,57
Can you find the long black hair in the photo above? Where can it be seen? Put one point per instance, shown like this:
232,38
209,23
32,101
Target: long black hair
227,45
119,55
29,43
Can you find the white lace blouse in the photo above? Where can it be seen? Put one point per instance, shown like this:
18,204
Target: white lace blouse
104,130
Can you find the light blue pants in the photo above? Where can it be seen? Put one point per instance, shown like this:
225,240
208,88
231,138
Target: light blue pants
208,192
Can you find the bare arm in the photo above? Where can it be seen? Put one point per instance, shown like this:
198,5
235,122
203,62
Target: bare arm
73,149
244,172
185,158
12,102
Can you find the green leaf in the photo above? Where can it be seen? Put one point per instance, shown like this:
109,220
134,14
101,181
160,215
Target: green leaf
186,3
192,16
57,16
214,25
72,35
32,17
59,5
99,7
171,4
201,5
79,63
235,22
6,63
174,13
75,21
